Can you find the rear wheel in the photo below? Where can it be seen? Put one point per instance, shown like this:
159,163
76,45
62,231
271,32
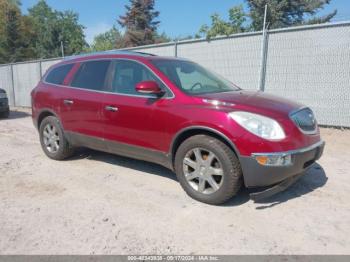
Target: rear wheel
208,170
52,139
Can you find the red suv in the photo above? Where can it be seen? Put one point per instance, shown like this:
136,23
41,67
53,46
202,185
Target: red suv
173,112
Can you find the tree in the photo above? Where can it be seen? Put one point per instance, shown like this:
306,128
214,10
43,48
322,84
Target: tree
44,24
280,13
106,40
70,32
139,23
161,38
15,33
237,17
287,12
52,27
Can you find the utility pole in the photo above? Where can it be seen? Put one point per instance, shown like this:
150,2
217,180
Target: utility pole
263,54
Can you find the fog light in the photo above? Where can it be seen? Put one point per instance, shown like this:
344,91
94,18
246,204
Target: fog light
273,160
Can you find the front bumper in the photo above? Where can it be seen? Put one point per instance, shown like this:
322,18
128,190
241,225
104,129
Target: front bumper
257,175
4,105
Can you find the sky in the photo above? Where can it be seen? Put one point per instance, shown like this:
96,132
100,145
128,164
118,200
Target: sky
177,17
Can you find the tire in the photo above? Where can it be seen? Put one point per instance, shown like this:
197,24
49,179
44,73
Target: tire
5,114
228,180
50,126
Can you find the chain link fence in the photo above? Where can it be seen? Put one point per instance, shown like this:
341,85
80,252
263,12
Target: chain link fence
308,64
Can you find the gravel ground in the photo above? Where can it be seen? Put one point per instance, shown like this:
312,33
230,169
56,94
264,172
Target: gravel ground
97,203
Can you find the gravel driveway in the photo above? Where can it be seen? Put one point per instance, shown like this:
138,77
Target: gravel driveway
97,203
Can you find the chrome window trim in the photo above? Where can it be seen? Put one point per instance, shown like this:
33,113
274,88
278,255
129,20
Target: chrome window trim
291,152
106,92
313,132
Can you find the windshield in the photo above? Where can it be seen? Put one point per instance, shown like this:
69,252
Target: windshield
192,78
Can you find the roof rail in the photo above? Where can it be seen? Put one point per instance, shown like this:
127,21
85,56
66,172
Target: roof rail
109,52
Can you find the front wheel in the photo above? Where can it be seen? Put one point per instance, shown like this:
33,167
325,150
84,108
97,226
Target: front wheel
207,169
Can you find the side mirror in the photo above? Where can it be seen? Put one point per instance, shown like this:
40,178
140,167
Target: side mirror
149,87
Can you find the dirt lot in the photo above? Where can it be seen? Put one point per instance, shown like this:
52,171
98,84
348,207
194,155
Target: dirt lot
98,203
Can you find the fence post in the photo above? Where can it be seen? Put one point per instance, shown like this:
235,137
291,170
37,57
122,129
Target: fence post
264,50
175,48
263,54
13,86
40,69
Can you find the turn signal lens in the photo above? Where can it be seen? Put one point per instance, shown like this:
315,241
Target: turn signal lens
262,160
273,160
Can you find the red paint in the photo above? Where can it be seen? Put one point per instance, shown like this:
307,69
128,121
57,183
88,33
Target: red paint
153,123
148,87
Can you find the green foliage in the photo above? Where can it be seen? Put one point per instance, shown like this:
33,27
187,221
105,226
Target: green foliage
280,13
284,13
139,23
52,27
70,32
141,29
106,41
15,33
44,24
161,38
235,24
38,34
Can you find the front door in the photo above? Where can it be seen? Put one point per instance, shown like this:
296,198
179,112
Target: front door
131,119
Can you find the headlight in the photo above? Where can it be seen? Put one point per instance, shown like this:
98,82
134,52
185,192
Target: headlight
259,125
3,95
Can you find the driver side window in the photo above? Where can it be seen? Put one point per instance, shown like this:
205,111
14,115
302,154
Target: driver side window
127,74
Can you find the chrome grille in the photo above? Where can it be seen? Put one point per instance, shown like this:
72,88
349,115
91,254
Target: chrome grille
305,120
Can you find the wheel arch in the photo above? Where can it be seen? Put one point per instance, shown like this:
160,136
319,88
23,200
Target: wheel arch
185,133
44,113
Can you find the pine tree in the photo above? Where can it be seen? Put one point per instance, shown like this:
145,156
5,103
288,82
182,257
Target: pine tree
139,23
284,13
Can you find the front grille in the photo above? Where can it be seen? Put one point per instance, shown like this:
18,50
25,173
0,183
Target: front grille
305,120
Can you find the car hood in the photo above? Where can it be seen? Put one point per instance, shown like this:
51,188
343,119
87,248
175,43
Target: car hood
255,101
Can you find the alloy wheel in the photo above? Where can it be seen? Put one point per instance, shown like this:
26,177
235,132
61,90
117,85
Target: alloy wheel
51,138
203,170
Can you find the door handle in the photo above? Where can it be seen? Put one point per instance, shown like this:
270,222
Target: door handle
111,108
68,102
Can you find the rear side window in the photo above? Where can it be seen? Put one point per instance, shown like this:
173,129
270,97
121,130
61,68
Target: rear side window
91,75
57,75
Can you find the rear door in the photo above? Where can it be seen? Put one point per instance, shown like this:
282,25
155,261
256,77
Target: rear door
82,102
